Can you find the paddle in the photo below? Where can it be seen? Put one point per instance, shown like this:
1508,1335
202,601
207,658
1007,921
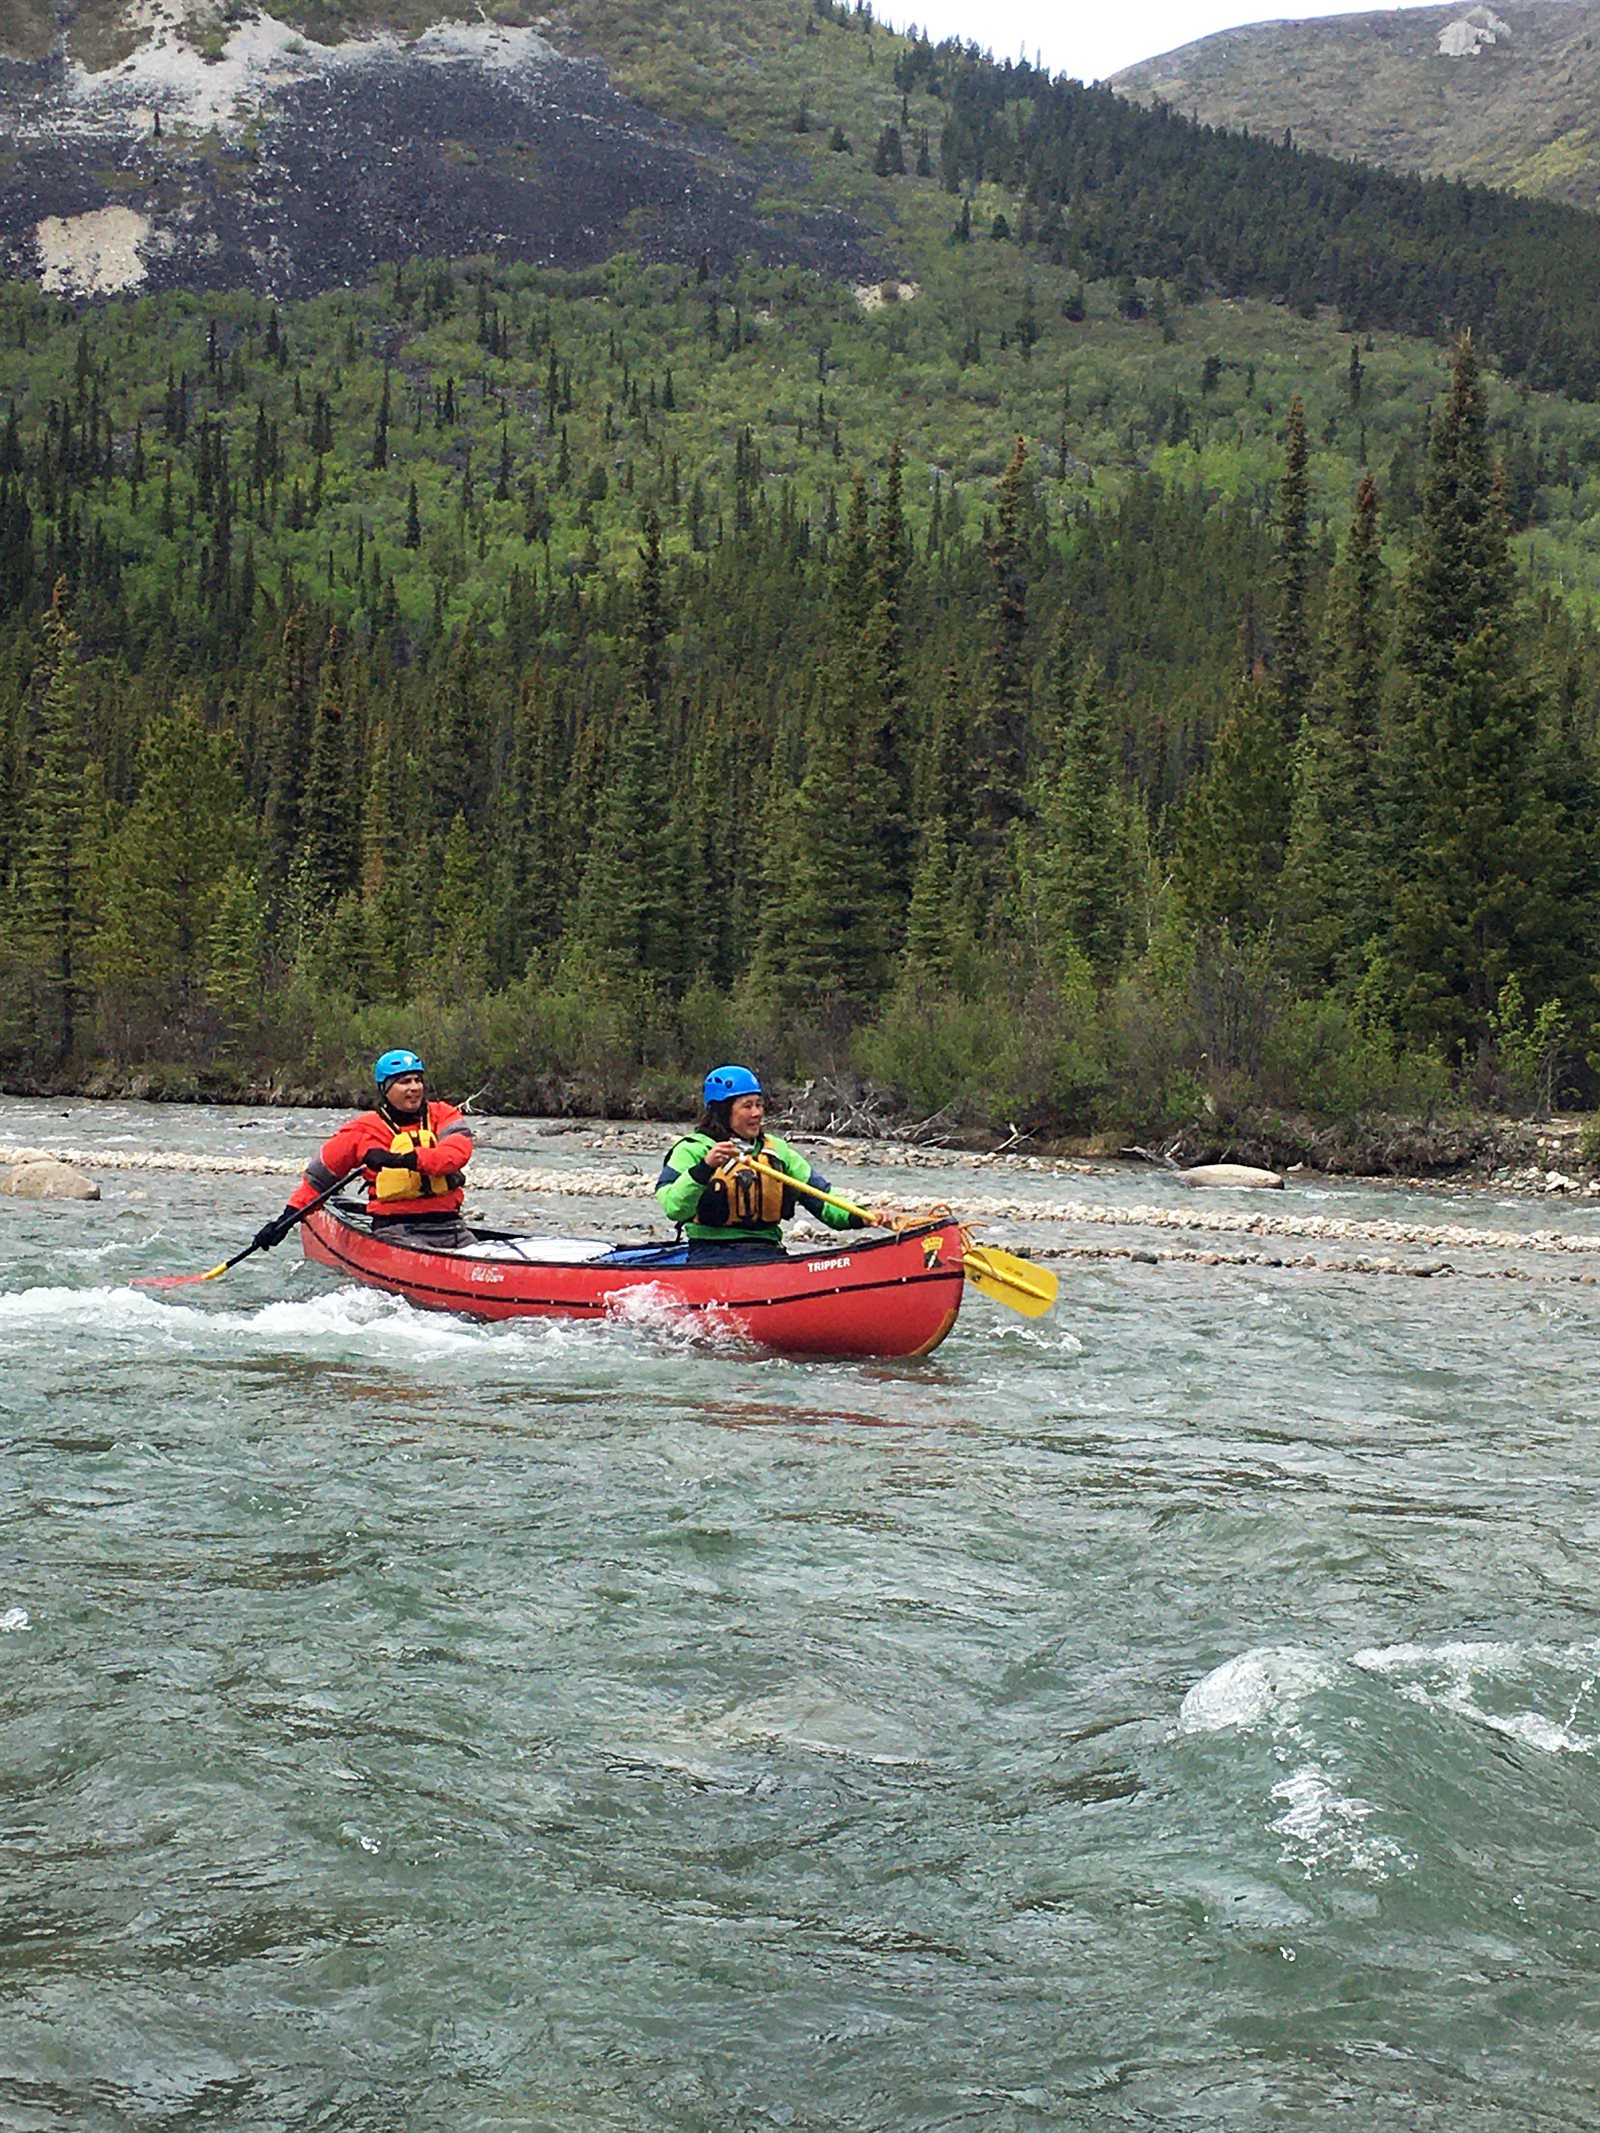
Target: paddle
1017,1283
183,1281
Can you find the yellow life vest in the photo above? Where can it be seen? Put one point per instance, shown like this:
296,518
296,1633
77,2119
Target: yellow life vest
752,1199
398,1184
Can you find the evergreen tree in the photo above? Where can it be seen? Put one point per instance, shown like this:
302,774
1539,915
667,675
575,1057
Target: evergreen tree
166,868
823,938
458,966
52,894
1471,835
380,433
1078,864
887,743
233,951
325,857
1333,894
928,963
628,916
1000,731
1292,636
1234,826
288,740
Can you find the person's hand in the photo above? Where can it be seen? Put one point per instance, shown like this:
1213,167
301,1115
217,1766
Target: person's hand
273,1232
723,1153
387,1159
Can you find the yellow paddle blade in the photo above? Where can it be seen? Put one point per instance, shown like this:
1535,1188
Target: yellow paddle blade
1017,1283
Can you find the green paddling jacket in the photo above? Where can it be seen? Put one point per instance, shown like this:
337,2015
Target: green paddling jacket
747,1209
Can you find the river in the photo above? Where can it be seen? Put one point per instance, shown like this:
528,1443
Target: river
1178,1711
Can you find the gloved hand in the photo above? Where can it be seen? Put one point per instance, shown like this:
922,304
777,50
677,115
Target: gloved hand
386,1159
274,1232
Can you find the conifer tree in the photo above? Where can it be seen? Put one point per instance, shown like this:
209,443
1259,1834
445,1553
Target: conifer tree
325,857
823,935
52,911
529,833
288,740
458,965
1000,730
380,431
1333,899
1472,847
1292,634
630,915
166,866
233,951
928,963
1234,825
390,888
1078,865
886,740
458,762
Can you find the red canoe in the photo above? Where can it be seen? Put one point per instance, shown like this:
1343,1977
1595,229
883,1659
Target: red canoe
887,1296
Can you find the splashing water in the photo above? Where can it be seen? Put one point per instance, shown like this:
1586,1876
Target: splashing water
1180,1710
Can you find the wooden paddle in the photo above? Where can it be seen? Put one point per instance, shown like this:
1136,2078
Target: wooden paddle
1017,1283
184,1281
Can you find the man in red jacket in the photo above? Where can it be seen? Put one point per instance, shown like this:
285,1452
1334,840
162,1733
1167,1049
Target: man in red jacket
413,1152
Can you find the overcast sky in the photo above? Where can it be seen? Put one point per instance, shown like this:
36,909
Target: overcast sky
1089,38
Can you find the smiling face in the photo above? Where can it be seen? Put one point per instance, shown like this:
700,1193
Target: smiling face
745,1114
403,1095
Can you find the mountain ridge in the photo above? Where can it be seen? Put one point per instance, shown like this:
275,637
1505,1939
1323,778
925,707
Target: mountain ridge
1521,111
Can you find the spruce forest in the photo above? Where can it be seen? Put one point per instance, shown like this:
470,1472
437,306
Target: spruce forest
1126,669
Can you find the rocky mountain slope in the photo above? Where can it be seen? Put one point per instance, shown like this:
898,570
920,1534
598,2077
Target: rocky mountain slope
158,145
1506,96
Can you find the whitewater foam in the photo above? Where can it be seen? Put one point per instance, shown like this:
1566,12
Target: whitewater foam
1324,1828
1268,1683
377,1323
1454,1676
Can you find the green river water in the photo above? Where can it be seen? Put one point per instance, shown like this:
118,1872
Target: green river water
1180,1711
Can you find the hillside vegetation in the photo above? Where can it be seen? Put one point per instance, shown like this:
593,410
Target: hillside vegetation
948,681
1519,113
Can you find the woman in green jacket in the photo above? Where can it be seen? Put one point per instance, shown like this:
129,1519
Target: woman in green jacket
723,1206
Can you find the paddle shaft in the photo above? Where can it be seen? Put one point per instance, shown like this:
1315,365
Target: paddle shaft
212,1273
300,1214
980,1258
814,1192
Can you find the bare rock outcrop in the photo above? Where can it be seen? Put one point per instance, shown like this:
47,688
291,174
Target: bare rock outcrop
43,1178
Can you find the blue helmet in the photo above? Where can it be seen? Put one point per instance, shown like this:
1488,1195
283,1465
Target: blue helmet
728,1081
391,1065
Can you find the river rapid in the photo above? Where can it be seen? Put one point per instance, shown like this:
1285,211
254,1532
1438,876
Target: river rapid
1182,1710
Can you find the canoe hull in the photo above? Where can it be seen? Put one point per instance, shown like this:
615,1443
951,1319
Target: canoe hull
894,1296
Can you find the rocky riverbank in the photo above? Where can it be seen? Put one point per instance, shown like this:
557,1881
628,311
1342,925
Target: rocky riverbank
1524,1155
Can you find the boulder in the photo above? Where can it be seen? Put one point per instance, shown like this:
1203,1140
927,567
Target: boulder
1231,1174
43,1178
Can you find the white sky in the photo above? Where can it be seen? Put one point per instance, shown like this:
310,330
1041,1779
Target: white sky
1090,41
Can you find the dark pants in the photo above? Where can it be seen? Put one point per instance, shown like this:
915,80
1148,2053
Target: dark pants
427,1233
701,1252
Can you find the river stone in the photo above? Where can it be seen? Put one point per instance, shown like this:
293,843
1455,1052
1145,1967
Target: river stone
1230,1174
46,1179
